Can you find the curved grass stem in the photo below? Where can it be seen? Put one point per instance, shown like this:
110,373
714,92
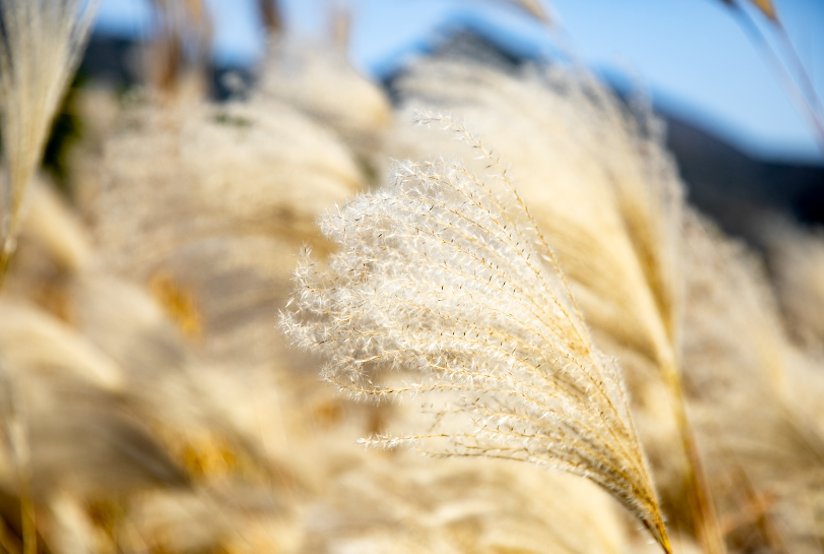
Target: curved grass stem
706,519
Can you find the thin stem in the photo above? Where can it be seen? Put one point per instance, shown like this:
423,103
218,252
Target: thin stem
796,92
805,82
708,527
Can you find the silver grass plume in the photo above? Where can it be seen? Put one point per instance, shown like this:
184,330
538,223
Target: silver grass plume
40,46
442,279
175,178
605,192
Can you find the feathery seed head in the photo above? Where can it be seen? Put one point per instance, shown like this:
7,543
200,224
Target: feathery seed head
444,295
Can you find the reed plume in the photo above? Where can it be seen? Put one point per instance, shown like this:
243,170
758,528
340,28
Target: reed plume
443,294
176,177
604,191
40,46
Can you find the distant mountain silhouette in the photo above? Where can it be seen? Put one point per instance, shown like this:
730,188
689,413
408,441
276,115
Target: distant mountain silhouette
739,190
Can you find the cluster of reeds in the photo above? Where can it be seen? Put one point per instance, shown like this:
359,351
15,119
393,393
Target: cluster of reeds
501,271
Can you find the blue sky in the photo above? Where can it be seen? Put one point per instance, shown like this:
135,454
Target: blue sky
691,54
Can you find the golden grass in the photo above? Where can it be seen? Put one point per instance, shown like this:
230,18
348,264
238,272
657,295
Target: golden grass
150,404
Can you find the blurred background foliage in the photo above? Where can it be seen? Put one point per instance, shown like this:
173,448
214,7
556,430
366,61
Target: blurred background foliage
723,74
